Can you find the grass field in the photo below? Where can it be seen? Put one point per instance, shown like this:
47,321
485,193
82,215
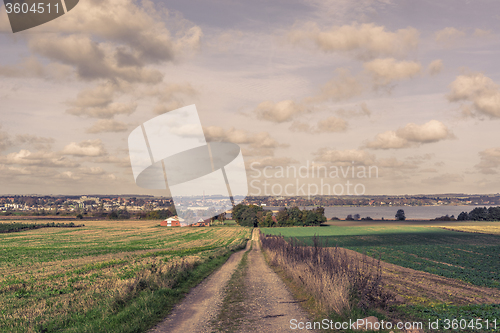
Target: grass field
470,257
91,278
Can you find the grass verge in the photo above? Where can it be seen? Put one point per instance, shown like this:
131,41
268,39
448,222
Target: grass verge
233,306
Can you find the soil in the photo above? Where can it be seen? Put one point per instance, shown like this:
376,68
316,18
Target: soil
412,286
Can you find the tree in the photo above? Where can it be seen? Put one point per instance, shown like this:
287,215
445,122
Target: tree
400,215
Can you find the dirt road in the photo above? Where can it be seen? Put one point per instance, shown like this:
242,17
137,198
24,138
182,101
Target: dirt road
270,305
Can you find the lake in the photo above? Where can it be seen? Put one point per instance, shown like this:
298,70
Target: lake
411,212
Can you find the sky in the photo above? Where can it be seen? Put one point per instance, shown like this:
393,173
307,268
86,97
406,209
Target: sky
323,97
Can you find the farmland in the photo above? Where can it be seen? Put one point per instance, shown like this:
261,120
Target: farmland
91,278
469,259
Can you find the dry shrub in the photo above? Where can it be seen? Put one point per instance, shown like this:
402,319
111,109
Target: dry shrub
337,281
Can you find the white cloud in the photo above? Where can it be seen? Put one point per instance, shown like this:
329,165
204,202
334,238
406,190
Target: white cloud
432,131
411,135
388,140
255,140
478,89
366,41
448,35
435,67
25,157
278,112
88,148
384,71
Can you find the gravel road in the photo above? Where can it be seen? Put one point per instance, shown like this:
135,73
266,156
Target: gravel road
270,305
202,304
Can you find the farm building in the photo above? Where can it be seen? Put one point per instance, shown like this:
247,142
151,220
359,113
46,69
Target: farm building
202,223
173,221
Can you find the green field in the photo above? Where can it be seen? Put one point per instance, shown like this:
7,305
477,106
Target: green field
470,257
89,279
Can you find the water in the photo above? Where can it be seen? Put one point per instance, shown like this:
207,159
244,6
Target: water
411,212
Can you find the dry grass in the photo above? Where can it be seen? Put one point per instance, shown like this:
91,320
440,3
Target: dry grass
338,282
491,230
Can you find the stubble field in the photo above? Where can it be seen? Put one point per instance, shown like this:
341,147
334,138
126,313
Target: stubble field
107,276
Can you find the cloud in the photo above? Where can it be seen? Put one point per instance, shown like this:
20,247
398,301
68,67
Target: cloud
444,179
448,35
87,148
140,28
365,41
432,131
346,157
114,39
104,112
85,173
91,59
102,95
40,143
384,71
31,67
388,140
489,161
332,124
343,87
480,90
363,112
5,140
98,102
482,33
328,125
41,159
173,96
411,135
435,67
278,112
107,125
255,140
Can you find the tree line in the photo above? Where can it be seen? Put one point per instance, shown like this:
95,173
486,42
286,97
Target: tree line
481,214
256,216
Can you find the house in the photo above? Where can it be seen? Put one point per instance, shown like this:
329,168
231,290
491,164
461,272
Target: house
173,221
202,223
